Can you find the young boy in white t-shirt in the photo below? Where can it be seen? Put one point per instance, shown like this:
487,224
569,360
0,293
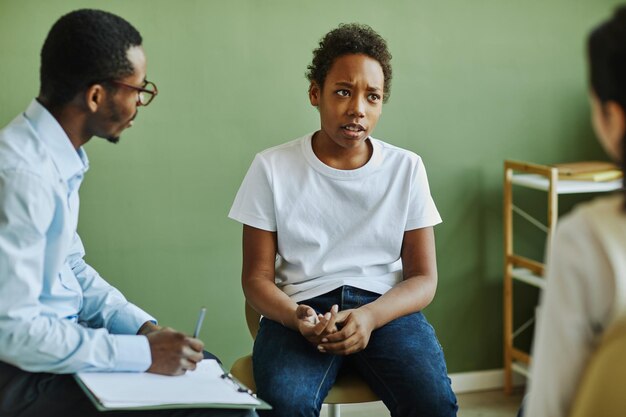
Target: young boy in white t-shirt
339,250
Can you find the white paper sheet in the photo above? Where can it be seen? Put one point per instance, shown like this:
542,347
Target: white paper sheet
202,386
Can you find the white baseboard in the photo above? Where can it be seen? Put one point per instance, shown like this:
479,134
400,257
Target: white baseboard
482,380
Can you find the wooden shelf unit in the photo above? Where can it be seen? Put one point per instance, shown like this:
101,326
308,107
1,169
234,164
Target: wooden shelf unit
521,268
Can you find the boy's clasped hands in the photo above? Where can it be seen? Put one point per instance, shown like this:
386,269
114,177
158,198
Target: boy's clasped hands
337,332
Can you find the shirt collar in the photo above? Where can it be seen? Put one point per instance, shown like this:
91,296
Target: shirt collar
69,162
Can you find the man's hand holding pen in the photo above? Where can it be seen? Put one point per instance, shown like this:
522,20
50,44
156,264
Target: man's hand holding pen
173,353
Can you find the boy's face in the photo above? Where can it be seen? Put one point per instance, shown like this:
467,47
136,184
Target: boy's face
350,101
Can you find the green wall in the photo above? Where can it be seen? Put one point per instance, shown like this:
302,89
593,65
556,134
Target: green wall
475,82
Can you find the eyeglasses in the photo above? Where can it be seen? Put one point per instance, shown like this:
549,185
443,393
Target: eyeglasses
145,95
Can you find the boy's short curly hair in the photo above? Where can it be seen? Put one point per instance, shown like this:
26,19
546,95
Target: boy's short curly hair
351,38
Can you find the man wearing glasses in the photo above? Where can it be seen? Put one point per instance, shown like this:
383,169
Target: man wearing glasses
57,315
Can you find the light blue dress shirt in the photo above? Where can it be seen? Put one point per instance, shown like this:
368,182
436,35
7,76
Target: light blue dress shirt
56,313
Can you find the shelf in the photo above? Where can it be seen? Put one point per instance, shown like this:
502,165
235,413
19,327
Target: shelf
540,182
525,275
518,268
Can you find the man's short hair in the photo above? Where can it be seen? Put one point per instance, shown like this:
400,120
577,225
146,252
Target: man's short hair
84,47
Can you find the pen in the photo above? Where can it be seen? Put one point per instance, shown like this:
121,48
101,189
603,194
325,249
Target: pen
196,332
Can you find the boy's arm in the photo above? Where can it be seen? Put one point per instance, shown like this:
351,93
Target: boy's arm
259,256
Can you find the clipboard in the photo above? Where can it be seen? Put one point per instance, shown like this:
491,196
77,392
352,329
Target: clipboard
209,386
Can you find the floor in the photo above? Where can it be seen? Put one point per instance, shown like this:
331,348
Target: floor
475,404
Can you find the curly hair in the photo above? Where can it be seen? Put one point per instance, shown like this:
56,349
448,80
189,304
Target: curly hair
84,47
351,38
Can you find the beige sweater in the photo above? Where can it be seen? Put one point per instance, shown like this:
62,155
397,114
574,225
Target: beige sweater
585,292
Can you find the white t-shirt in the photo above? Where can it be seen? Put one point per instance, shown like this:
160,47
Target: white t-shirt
335,227
585,292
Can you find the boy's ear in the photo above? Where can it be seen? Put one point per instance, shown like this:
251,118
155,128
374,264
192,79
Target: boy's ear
94,97
314,94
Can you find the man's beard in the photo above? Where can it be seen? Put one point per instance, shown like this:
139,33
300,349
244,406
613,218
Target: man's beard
117,118
113,139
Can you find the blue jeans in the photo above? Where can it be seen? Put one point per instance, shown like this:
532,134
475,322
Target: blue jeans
403,363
